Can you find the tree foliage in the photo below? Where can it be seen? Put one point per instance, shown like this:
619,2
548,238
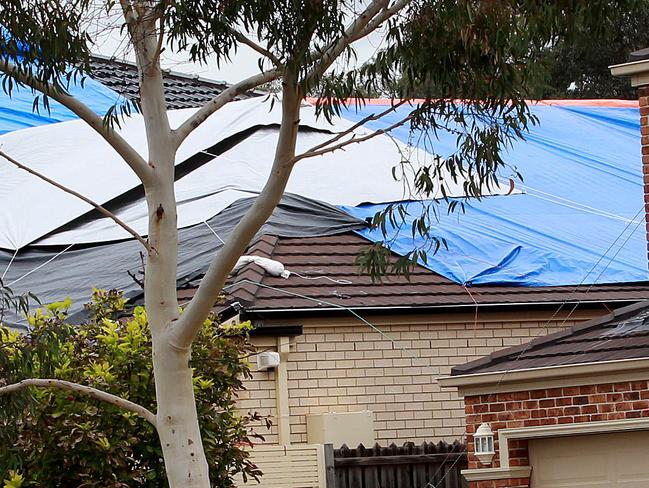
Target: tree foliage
579,67
475,62
54,438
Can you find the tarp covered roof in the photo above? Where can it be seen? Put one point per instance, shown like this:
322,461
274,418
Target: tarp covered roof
580,218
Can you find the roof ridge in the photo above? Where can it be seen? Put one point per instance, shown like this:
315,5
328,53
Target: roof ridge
252,273
170,72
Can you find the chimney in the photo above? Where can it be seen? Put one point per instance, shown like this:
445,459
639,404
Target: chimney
637,68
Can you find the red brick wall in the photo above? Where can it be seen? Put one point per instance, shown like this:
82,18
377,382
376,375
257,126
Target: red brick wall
511,483
552,406
643,99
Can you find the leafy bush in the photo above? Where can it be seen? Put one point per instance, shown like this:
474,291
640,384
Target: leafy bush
54,438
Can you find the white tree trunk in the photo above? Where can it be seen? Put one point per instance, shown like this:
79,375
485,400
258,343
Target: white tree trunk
177,420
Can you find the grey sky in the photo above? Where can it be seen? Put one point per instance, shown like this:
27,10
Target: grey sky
110,43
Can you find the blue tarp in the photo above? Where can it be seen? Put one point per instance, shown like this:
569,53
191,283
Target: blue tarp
16,112
580,220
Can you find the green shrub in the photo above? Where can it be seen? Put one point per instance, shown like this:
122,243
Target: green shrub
56,438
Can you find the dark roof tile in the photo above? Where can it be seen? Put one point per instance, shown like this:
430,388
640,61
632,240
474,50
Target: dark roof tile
182,91
324,275
597,340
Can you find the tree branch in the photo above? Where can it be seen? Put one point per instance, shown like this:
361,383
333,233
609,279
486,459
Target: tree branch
376,22
98,207
352,33
322,148
360,123
256,47
226,96
182,333
123,148
83,390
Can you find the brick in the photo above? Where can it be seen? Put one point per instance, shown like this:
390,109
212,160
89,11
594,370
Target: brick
547,403
622,406
520,395
522,415
599,398
615,416
532,423
589,409
571,391
614,397
580,400
641,405
541,413
513,405
497,407
621,387
631,395
548,421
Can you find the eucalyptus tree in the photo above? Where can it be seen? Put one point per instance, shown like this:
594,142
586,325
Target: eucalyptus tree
476,58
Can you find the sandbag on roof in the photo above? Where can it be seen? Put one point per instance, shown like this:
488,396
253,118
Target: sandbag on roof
55,273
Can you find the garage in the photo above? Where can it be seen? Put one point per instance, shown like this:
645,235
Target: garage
618,460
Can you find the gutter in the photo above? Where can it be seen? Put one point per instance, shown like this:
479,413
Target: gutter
548,376
424,308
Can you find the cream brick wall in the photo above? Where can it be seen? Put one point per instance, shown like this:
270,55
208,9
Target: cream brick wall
259,396
340,366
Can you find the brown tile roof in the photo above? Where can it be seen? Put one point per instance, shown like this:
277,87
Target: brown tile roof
623,334
327,275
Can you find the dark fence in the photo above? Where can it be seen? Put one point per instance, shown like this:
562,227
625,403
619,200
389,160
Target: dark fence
428,465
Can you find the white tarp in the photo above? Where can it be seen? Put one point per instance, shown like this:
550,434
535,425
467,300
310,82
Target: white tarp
74,155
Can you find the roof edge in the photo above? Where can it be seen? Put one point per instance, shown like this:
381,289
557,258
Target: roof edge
451,306
463,369
545,373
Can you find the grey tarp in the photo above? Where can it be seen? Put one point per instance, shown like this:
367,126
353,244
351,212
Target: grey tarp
74,272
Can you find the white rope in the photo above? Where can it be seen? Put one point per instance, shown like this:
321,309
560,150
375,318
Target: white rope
575,205
41,265
214,232
331,304
322,277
